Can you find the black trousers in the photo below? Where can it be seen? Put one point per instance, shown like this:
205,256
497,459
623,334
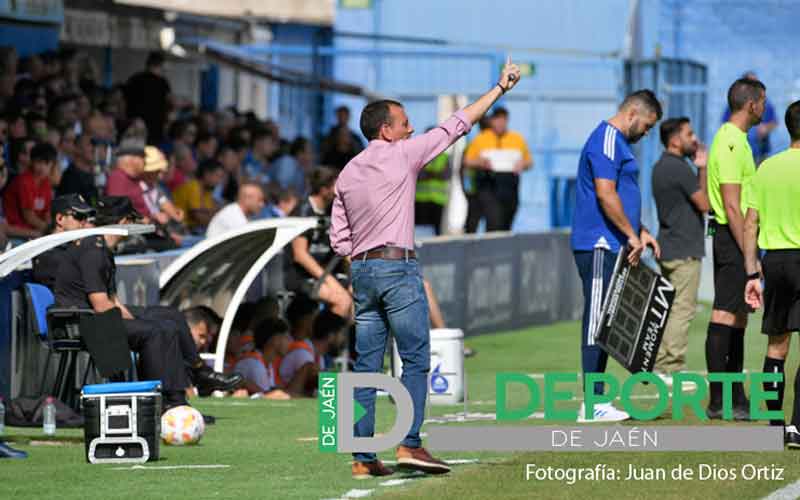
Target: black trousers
473,214
169,323
499,208
429,214
159,353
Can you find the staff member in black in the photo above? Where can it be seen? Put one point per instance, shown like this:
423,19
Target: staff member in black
312,254
87,279
70,212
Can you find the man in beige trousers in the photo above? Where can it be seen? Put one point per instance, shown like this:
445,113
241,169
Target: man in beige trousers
681,199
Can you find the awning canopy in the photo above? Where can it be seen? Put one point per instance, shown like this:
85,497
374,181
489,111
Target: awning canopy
242,59
319,12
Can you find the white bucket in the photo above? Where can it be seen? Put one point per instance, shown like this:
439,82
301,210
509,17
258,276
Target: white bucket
446,379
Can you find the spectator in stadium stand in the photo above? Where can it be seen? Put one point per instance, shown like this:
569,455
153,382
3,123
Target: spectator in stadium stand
7,230
341,148
682,201
27,200
730,169
36,126
148,96
257,164
126,176
195,197
184,167
229,157
474,214
249,204
292,169
498,186
314,265
258,367
372,223
607,217
432,193
3,132
160,209
180,132
87,279
771,224
70,212
206,146
354,146
79,177
758,136
19,156
282,202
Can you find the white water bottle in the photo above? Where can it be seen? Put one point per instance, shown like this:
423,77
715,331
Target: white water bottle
49,417
2,417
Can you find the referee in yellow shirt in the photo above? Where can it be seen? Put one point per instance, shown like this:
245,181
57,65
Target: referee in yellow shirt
730,167
773,216
499,155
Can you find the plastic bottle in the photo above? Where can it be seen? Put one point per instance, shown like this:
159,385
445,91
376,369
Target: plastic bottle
2,417
49,417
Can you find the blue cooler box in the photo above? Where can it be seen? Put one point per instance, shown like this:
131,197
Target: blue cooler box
122,422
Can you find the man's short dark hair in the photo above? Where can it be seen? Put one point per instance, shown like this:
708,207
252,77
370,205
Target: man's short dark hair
322,177
500,111
262,132
375,115
268,328
195,315
645,98
743,91
298,146
301,307
208,166
155,59
326,324
792,119
671,127
341,108
44,151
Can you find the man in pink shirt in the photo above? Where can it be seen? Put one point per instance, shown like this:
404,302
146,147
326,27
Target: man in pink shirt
373,223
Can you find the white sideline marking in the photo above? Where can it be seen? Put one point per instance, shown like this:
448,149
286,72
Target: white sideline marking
396,482
471,417
455,461
172,467
790,492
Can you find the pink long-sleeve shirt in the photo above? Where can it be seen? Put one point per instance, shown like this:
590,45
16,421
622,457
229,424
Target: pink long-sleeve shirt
374,204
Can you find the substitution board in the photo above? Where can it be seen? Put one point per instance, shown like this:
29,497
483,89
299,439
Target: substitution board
635,312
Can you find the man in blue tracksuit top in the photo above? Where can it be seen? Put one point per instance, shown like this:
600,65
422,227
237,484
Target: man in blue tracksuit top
608,209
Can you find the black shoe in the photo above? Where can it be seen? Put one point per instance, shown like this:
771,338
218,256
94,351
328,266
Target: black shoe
714,412
791,437
209,419
8,452
741,413
207,380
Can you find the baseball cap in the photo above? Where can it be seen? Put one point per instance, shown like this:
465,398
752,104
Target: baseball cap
154,160
112,209
71,203
131,147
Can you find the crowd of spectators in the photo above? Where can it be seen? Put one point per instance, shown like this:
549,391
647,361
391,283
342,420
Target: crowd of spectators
63,132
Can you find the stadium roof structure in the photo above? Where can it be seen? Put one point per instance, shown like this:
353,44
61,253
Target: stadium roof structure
318,12
218,271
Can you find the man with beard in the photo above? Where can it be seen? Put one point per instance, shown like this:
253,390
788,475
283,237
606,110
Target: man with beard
681,199
608,208
730,167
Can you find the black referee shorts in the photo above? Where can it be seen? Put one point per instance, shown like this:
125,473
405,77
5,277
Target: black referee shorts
781,291
729,274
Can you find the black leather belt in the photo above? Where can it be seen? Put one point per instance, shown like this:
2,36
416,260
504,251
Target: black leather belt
387,253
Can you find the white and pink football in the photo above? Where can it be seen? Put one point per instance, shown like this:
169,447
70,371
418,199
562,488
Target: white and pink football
182,425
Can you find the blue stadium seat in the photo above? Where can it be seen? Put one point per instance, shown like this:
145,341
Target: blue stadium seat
40,298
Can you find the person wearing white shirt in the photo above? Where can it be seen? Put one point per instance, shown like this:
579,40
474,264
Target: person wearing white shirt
249,202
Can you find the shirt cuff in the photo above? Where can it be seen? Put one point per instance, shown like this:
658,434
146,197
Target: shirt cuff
462,117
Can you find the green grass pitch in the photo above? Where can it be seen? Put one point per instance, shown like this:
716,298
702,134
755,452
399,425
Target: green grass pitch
270,448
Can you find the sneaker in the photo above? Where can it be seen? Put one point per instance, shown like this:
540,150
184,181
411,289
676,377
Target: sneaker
605,412
8,452
419,459
791,437
741,413
366,470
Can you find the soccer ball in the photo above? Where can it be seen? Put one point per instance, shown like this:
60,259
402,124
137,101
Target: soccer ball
182,425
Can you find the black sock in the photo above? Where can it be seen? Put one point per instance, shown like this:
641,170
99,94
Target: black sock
736,364
796,415
772,365
717,346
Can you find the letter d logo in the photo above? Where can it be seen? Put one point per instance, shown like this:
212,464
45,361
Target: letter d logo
336,391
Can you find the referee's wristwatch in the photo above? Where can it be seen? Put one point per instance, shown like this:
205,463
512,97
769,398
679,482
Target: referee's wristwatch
754,276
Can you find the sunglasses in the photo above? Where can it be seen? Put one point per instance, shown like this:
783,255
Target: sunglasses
76,215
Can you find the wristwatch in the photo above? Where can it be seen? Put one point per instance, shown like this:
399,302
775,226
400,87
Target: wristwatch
754,276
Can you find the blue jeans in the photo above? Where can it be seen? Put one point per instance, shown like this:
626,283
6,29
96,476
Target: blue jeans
389,295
